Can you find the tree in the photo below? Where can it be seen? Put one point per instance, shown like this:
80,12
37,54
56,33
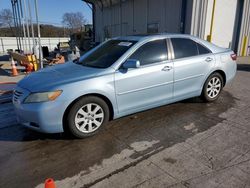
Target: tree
6,18
74,21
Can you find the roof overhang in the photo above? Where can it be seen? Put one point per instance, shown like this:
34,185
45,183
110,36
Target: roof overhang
104,3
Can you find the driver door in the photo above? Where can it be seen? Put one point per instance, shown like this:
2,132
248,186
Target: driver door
149,85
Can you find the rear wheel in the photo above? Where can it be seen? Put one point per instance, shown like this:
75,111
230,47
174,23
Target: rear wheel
212,87
87,116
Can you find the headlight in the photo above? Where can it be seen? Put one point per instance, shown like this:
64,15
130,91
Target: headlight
43,96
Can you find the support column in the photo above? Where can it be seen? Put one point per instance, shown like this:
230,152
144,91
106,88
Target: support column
2,44
199,14
245,30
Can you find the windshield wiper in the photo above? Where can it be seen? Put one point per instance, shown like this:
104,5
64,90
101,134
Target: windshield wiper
94,66
76,61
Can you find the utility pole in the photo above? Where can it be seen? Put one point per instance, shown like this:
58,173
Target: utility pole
15,23
63,30
20,24
32,27
27,24
39,36
23,24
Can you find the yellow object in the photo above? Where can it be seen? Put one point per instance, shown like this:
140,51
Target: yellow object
209,37
32,59
244,47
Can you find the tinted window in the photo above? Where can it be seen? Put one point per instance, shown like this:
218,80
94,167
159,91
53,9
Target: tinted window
106,54
151,52
184,47
203,50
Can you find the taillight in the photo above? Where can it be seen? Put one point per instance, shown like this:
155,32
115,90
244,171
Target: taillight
234,57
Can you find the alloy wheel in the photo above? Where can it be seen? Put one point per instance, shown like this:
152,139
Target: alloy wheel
89,118
214,87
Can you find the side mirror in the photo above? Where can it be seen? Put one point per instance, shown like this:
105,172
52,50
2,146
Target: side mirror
131,63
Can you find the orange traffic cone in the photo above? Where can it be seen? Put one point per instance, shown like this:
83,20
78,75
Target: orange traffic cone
49,183
13,66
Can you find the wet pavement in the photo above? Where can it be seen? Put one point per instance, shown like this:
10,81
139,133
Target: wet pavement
130,151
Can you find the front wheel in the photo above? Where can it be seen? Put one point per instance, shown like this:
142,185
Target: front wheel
212,87
87,116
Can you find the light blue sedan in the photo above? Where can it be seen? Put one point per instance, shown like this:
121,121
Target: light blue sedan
119,77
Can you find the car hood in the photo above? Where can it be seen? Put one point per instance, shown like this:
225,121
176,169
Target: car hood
57,75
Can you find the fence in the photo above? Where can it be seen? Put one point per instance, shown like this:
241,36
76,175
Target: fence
11,43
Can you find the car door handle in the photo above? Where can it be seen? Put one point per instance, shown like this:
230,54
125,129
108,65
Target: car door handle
167,68
209,59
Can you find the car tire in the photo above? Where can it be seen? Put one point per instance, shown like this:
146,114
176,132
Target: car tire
212,87
87,116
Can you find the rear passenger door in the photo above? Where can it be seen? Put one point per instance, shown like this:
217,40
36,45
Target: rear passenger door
192,62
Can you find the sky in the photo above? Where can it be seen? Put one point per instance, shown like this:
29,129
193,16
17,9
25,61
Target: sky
51,11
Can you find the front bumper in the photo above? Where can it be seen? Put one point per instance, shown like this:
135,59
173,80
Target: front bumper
44,117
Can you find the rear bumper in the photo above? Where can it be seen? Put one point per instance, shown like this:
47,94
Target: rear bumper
231,72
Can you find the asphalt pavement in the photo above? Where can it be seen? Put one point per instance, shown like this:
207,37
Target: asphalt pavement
186,144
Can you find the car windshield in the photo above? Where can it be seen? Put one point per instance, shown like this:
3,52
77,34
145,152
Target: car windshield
107,54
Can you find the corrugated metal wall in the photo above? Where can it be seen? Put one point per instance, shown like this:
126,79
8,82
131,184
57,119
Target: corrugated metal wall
199,16
128,17
245,26
225,24
139,17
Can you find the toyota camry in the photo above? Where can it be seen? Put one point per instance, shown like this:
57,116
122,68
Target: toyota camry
122,76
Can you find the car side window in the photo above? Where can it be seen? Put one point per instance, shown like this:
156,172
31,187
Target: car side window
184,47
203,50
151,52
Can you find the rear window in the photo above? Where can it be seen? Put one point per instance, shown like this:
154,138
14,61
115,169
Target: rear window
184,48
187,48
203,50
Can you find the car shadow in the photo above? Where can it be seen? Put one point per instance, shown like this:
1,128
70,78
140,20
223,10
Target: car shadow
193,100
20,133
243,67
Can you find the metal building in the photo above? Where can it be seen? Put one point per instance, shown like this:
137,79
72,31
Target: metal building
230,26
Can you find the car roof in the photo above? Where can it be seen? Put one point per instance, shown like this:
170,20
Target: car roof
142,37
139,37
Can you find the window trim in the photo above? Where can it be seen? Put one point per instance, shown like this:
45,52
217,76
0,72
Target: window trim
155,63
197,42
210,52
